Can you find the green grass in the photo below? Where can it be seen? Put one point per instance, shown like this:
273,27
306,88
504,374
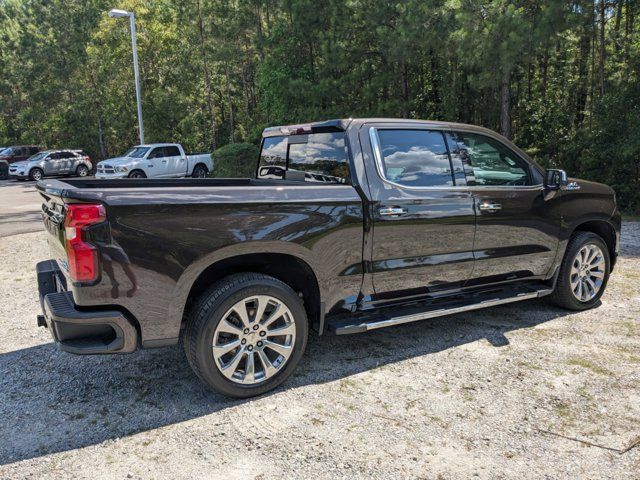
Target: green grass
586,364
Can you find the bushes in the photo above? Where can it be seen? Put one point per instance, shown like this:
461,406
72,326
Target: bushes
235,160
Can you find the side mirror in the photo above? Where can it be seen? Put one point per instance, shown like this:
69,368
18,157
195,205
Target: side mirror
555,179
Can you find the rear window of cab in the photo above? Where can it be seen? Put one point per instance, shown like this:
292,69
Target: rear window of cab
314,157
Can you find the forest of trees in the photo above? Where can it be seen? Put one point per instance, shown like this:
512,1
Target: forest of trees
558,77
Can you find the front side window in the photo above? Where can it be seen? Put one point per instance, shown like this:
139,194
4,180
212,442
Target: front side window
487,162
317,157
415,158
156,153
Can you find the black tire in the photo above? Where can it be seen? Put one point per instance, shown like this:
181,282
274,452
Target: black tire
36,174
208,312
137,174
199,171
82,171
563,295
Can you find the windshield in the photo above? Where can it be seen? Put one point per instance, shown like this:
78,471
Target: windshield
37,156
137,152
7,151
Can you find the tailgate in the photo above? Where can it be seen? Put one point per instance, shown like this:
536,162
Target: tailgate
53,213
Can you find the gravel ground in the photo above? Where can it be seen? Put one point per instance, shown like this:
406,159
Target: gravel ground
520,391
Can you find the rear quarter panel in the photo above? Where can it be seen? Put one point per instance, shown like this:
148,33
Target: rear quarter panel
163,239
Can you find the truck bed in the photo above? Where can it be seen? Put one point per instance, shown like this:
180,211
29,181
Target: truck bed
223,189
165,233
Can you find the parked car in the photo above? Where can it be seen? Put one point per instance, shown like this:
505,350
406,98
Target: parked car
52,162
4,169
18,153
422,219
156,160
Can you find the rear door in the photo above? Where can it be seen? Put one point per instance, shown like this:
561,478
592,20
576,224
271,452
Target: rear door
423,222
515,237
65,164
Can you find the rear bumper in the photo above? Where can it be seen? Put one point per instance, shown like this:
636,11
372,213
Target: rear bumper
83,332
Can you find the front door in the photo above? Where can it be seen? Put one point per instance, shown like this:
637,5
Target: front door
176,167
423,224
515,237
52,164
157,164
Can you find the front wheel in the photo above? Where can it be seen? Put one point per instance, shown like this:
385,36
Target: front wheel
246,334
36,174
584,272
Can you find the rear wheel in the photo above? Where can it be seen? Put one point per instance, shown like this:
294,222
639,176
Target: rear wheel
246,334
82,171
200,171
584,272
137,174
36,174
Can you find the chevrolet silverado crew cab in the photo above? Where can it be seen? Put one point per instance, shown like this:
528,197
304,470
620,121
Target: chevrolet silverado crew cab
347,226
156,160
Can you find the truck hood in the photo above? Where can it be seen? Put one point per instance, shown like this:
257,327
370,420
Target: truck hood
118,161
589,187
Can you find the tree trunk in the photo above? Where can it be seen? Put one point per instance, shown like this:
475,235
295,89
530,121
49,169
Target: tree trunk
505,105
602,44
405,89
207,81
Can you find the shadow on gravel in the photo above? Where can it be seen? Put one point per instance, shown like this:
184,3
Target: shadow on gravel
53,402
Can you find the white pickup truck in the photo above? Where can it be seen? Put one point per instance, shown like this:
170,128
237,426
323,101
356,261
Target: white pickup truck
156,160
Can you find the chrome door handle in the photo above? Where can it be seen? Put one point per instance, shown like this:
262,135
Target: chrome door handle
392,211
489,207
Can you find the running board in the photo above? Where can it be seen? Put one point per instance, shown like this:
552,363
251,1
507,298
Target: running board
380,319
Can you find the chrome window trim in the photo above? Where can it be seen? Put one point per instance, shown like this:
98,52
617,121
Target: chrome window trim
377,154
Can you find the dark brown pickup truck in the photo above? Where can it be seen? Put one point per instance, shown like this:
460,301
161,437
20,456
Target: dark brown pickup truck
348,226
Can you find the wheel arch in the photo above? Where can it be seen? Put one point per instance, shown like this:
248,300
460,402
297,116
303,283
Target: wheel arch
603,229
137,169
198,164
288,268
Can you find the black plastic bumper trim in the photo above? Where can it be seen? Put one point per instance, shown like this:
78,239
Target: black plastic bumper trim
80,331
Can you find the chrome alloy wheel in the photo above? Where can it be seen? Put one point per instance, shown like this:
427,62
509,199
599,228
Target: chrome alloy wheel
587,272
254,339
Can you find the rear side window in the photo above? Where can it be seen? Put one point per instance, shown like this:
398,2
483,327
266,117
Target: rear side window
171,151
316,158
415,158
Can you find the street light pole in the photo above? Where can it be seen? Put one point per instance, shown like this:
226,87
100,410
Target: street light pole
115,13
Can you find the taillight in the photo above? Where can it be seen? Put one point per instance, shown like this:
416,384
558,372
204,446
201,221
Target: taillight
82,256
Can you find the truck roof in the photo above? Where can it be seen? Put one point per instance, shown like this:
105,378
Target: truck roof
340,125
151,145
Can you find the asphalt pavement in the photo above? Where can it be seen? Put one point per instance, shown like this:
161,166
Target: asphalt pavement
20,207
